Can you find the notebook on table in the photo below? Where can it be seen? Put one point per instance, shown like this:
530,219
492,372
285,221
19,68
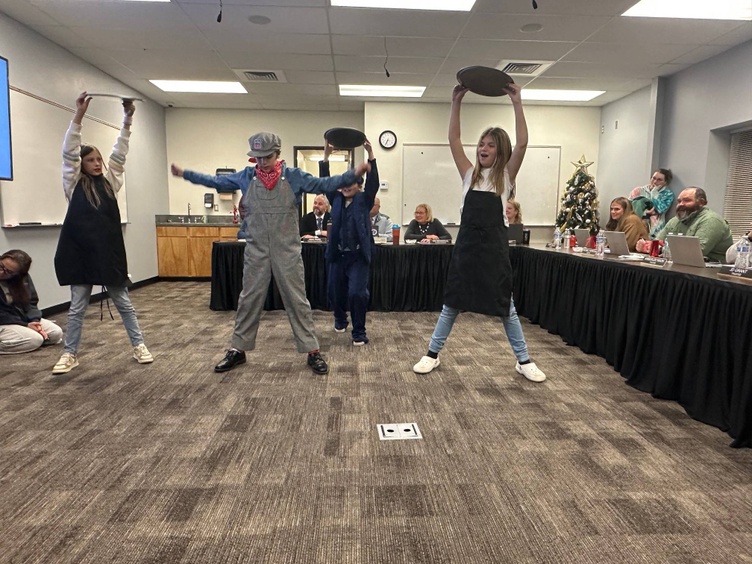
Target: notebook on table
582,236
617,243
686,250
514,232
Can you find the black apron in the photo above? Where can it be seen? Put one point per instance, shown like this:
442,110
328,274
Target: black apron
91,249
480,274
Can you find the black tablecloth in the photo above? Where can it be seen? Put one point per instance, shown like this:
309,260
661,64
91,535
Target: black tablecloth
403,277
679,336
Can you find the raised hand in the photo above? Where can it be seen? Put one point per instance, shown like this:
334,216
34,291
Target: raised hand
514,91
82,102
458,93
176,170
369,149
128,107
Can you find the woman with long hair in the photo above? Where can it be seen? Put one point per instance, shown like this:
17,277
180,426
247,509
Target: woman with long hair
22,327
624,219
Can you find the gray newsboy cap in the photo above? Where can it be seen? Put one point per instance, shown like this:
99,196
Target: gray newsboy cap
263,144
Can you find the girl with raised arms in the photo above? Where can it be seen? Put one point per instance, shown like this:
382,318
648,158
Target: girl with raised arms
480,274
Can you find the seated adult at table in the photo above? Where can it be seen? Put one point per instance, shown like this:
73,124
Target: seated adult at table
425,227
22,328
624,219
381,225
651,202
695,219
733,250
514,212
313,224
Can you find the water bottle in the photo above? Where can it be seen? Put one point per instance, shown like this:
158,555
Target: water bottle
557,238
600,244
395,234
667,251
567,240
742,254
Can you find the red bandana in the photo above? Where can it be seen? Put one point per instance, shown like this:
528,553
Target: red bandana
269,179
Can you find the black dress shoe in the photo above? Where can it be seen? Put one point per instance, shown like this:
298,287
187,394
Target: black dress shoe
317,364
230,361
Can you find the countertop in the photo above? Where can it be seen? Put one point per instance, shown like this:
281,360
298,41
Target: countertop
195,221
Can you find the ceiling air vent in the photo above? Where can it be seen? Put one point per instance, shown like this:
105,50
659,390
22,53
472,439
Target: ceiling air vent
261,76
524,68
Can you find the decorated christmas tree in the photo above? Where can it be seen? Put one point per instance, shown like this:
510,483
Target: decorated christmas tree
579,203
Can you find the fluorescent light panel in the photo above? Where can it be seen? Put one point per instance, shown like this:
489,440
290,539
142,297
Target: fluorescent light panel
692,9
200,86
436,5
543,95
381,91
143,0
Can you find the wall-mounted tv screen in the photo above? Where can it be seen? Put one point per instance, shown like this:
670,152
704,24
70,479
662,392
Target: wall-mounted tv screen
6,157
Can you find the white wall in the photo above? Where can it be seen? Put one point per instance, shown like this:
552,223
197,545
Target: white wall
44,69
574,129
715,94
204,140
624,150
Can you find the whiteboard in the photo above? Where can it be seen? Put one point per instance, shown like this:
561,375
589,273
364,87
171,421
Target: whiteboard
430,176
38,128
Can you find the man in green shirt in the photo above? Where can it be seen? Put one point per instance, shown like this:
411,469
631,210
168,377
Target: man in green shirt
693,218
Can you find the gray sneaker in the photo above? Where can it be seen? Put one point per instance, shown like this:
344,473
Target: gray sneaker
66,363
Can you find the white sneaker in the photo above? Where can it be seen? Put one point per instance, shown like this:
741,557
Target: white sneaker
531,372
142,354
66,363
426,364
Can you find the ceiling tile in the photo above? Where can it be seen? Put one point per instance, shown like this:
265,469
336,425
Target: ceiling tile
555,28
662,31
519,50
626,53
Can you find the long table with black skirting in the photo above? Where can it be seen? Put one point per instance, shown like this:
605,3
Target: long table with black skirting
679,333
402,277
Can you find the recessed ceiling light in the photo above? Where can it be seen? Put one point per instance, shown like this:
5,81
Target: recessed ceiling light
202,86
542,95
377,90
531,28
440,5
260,20
692,9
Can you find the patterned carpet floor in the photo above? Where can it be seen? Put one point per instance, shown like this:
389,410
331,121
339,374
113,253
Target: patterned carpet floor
173,463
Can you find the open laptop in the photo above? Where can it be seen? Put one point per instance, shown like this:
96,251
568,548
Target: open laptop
582,236
617,243
686,250
514,233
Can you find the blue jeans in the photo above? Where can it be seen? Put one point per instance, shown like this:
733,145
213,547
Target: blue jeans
348,289
80,294
512,326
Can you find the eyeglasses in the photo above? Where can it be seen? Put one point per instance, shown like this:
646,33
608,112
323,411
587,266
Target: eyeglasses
7,271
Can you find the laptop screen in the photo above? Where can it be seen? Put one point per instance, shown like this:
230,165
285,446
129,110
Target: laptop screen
514,232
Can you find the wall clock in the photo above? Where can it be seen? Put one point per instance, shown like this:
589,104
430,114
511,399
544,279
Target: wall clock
388,139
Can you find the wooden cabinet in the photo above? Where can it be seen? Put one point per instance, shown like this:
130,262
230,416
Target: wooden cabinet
228,233
185,251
